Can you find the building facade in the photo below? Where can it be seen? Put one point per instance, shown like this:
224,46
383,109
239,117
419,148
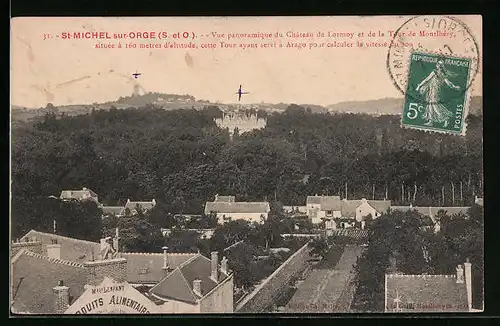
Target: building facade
52,274
241,121
84,194
227,209
335,211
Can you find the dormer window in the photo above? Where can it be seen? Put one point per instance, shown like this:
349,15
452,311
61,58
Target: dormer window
329,213
144,270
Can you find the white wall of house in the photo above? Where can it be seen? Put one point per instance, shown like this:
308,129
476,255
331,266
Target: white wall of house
220,300
178,307
364,210
316,215
251,217
330,225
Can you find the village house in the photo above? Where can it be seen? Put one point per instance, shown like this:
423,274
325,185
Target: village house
359,209
343,213
143,205
49,273
321,207
117,211
226,209
129,208
430,293
84,194
199,285
431,213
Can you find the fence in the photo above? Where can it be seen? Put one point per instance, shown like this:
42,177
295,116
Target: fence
355,234
266,293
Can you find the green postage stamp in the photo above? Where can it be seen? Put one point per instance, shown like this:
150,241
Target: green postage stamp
437,93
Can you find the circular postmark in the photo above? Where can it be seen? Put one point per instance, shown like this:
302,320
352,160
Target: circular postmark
440,36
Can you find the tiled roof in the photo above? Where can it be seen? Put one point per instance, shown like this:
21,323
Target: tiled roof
178,285
112,210
71,249
332,203
380,206
145,205
237,207
327,202
426,292
77,194
34,276
348,208
313,200
432,211
147,267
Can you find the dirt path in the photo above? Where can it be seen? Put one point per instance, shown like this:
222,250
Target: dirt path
327,288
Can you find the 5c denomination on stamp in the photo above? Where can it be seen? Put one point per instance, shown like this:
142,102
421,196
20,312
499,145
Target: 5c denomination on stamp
436,95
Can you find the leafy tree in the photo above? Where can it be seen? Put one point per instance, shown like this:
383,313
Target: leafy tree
319,247
240,261
137,234
183,241
230,233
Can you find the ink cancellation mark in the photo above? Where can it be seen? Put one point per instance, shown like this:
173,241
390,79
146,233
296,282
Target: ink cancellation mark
442,35
437,94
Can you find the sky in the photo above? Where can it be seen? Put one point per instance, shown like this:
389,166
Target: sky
62,71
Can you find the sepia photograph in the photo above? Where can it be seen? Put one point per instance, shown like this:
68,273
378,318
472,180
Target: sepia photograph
246,165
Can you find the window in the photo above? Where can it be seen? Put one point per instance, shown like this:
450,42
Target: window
329,213
144,270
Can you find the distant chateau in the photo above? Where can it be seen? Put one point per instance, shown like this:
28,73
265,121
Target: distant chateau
241,120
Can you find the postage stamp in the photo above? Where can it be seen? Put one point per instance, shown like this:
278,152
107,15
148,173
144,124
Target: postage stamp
444,54
436,94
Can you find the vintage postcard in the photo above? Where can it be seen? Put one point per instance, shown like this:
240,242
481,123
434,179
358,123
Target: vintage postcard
242,165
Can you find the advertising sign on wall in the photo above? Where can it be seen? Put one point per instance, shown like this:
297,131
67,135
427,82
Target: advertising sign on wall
111,298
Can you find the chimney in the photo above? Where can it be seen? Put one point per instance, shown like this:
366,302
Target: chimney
84,188
197,287
102,248
165,259
363,200
468,281
54,250
61,298
115,268
154,202
216,197
215,261
115,240
460,274
224,268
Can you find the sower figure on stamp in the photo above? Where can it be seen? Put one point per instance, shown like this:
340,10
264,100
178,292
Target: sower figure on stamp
430,88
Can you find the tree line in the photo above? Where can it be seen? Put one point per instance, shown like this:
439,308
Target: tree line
182,159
